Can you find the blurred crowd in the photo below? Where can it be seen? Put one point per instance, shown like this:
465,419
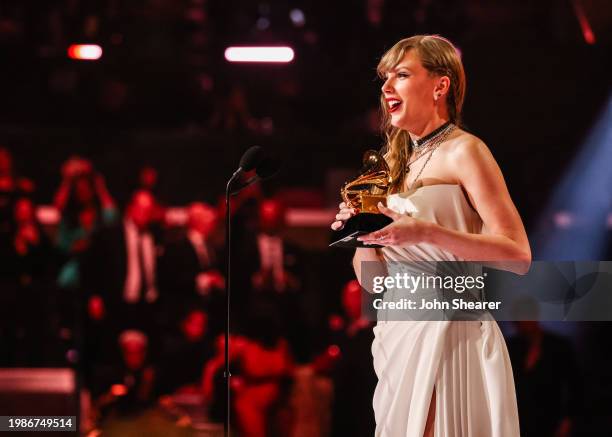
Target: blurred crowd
134,300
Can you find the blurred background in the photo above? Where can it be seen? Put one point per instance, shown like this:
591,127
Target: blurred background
113,163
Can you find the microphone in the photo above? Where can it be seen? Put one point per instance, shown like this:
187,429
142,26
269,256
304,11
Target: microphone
266,168
250,160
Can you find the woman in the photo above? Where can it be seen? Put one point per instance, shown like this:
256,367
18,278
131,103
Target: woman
85,205
440,378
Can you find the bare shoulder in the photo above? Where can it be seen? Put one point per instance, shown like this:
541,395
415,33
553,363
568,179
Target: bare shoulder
464,150
466,145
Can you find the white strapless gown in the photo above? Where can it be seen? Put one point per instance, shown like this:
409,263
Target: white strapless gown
465,362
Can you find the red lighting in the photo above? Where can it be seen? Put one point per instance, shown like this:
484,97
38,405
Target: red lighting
333,351
585,26
87,52
259,54
118,390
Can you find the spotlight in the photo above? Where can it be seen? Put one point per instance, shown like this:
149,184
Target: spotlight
259,54
85,52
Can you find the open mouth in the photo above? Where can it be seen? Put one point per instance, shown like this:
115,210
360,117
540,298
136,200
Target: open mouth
394,104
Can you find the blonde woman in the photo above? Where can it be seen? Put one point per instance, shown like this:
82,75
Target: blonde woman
440,378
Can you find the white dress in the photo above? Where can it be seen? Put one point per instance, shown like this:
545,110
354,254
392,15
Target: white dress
466,362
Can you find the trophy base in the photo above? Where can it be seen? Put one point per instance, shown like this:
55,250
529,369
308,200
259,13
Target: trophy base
360,224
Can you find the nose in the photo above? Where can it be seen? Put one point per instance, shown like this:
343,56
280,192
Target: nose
387,86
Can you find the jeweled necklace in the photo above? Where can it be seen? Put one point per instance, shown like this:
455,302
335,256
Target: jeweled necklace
427,145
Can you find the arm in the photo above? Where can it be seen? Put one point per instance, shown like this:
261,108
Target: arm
503,240
376,265
503,237
106,199
63,192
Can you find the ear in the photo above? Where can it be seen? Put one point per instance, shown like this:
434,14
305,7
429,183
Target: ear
442,88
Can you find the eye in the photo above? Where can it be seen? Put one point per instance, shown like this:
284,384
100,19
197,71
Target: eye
402,74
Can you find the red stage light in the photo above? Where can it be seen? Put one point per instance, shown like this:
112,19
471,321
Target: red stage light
259,54
88,52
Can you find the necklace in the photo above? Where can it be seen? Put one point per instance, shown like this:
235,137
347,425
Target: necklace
428,146
425,141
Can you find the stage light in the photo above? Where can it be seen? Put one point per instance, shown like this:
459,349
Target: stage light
297,17
580,206
86,52
583,21
259,54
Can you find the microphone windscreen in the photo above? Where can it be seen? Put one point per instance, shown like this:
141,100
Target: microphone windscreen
268,167
251,158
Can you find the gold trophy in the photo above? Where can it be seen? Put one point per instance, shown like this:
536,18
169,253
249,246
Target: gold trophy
364,193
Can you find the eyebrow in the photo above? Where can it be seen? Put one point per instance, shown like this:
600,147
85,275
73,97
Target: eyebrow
401,66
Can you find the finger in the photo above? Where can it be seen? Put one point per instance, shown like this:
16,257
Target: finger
336,226
344,216
376,235
388,212
342,205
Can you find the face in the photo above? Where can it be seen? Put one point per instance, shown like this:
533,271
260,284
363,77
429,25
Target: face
271,216
202,218
148,177
409,92
194,325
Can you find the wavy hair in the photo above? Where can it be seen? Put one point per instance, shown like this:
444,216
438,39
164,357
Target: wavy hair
440,58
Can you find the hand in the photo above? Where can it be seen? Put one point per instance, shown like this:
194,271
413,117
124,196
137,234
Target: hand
404,231
343,215
207,281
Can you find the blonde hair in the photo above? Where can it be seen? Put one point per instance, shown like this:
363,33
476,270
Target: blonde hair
441,58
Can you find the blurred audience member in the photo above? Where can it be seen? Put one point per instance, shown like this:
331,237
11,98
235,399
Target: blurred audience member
190,267
547,380
232,112
148,180
213,381
120,268
354,378
27,297
262,372
185,352
129,387
11,187
265,372
85,205
274,268
275,257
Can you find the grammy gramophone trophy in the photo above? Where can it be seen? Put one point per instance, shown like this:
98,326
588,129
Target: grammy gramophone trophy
364,193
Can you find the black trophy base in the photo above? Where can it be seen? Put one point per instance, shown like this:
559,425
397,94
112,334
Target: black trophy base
360,224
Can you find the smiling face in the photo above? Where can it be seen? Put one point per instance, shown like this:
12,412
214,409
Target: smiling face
411,94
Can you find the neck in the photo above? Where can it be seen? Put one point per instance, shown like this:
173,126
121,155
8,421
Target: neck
425,128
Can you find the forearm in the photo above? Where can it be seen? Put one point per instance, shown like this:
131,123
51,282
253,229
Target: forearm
376,266
499,250
61,196
106,199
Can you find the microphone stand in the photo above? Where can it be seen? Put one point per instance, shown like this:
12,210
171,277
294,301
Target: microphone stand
226,373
